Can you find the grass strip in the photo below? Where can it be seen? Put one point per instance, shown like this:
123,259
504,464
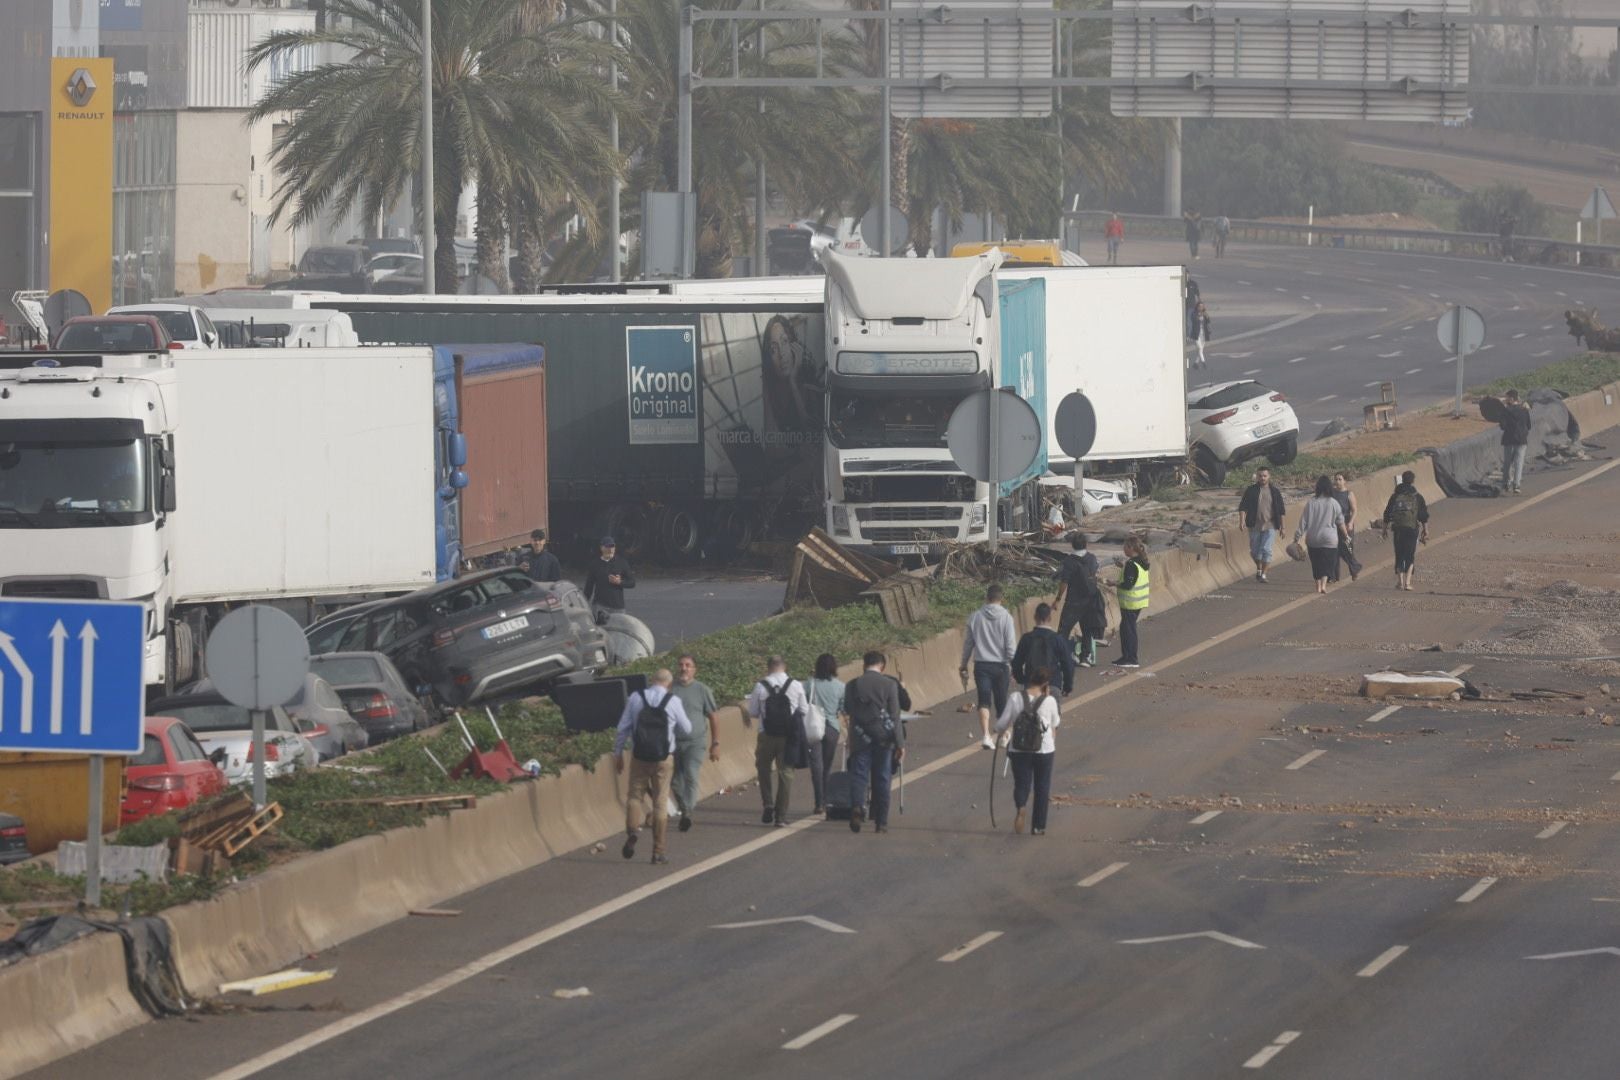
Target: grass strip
1573,375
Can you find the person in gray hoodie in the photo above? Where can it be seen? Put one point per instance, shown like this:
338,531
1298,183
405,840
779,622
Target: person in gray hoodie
1321,524
990,643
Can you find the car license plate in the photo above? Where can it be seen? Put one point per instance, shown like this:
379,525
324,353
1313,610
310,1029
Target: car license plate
908,549
510,626
1268,429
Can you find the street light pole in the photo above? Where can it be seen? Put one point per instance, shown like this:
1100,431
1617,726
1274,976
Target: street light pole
617,273
429,286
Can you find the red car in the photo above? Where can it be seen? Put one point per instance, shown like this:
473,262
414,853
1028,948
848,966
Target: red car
171,772
113,334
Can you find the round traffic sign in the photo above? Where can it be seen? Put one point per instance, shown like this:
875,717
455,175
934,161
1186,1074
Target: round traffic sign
1018,436
1461,330
1075,425
258,657
872,228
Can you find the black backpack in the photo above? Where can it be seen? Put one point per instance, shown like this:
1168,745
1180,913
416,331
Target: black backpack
1403,510
779,714
649,739
1028,729
1044,652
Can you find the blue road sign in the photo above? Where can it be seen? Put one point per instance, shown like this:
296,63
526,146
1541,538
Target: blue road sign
70,676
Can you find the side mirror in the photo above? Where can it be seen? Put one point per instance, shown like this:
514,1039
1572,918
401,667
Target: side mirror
458,479
447,493
458,450
166,499
218,757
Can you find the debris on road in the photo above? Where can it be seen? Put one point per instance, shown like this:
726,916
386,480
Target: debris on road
439,913
281,980
1423,684
576,992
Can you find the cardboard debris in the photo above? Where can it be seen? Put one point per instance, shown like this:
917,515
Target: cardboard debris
826,574
1423,684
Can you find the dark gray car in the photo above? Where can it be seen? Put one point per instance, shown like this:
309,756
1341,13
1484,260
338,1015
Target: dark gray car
320,715
374,692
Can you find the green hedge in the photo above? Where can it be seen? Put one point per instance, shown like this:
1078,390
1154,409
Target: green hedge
1574,375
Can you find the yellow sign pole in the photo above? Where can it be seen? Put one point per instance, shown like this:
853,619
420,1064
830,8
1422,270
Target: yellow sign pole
81,216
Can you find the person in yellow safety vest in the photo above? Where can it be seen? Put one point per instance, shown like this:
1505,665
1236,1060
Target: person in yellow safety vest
1132,590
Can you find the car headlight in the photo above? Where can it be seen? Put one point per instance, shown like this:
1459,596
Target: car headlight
979,516
840,520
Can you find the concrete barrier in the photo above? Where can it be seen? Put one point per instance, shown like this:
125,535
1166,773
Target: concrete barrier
64,1000
1596,410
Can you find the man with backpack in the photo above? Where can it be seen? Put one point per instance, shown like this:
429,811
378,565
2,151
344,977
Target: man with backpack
651,722
1080,600
1407,515
1043,651
877,740
1033,715
779,703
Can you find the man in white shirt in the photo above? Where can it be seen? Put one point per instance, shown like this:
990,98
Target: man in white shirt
991,641
779,704
650,723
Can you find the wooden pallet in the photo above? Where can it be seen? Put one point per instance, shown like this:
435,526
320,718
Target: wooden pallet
242,835
419,802
197,823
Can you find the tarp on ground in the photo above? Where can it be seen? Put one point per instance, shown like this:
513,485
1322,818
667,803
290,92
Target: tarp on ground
1472,467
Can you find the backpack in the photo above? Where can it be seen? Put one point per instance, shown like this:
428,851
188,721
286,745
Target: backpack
1028,729
1403,510
649,739
778,717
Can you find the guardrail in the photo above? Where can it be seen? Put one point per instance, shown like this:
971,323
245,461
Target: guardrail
1534,250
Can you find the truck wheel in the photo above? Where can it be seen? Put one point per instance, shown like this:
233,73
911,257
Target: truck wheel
680,535
732,529
1286,455
1213,468
1154,475
627,524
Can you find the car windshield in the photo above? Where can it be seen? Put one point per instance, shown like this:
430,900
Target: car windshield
335,261
68,483
179,324
858,420
220,716
151,753
1226,397
347,670
107,336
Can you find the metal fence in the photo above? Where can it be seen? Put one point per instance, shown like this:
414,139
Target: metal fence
1535,250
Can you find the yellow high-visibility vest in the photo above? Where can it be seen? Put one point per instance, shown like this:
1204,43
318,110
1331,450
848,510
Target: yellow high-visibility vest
1135,597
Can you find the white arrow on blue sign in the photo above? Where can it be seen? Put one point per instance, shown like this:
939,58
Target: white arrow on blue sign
71,678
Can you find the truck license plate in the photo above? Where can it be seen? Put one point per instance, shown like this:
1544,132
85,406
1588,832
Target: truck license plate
1268,429
510,626
908,549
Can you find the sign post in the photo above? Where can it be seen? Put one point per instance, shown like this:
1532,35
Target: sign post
1075,426
1461,330
71,681
993,445
1600,209
257,659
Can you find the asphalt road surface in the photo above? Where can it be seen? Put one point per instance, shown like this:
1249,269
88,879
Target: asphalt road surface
1327,325
1249,868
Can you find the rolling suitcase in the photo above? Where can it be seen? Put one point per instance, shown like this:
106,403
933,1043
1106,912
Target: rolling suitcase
839,796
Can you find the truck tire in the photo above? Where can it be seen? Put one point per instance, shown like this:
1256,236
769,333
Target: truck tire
1289,451
1213,468
731,529
680,535
628,639
627,523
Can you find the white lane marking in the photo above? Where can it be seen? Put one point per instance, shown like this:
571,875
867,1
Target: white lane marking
1434,296
818,1031
1363,280
1384,959
1532,285
1370,337
1607,950
1302,296
812,920
1476,890
1325,397
1547,327
1454,672
1274,288
1336,348
1408,288
1372,384
1481,277
1414,371
1313,273
1449,360
1421,270
1381,356
1539,355
1516,337
1405,328
1304,760
1106,872
1550,831
1213,935
1205,818
1556,292
962,950
1387,710
1295,360
1254,371
1229,356
1259,1060
1240,282
1482,348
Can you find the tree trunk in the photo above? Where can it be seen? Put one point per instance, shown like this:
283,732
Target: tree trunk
900,178
527,270
491,235
921,233
445,279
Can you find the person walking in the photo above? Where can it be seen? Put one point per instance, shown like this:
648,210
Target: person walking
606,581
1504,231
1407,516
777,701
1262,510
652,721
697,701
1080,601
1193,223
990,642
1515,425
1201,332
541,564
1321,524
1033,715
1223,229
826,693
1042,650
1114,233
1132,591
1347,550
877,741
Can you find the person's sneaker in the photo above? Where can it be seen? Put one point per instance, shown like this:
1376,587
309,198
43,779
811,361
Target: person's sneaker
1019,819
686,822
987,743
1037,832
658,859
818,811
629,849
856,816
670,809
1085,663
880,828
780,822
1263,577
1126,664
768,816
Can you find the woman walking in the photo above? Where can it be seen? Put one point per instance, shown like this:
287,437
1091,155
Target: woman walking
1407,514
1322,526
1201,327
826,694
1347,549
1132,591
1032,714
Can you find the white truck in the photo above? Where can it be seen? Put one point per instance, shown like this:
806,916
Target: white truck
198,479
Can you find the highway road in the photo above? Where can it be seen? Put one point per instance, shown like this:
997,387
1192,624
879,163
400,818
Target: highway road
1249,869
1327,325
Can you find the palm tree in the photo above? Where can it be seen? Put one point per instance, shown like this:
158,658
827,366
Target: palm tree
518,103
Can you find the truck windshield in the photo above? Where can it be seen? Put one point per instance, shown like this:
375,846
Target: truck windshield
859,421
60,485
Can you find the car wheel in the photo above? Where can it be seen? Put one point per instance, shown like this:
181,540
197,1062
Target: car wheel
1287,453
1213,468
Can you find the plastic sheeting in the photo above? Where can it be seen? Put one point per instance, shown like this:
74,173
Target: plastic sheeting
1472,467
148,955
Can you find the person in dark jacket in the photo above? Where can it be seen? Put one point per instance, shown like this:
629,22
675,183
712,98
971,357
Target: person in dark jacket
606,581
877,740
1262,510
1080,600
1042,649
1407,515
1515,425
541,564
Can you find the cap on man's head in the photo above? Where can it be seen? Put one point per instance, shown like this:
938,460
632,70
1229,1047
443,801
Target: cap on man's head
538,534
607,541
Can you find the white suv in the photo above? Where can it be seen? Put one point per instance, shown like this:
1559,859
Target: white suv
188,325
1231,422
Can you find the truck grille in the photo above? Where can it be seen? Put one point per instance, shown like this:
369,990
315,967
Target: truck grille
908,513
906,536
52,590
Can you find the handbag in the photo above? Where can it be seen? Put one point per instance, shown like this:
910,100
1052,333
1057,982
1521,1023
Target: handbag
815,723
1296,551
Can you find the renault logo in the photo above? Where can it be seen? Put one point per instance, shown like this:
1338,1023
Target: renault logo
81,88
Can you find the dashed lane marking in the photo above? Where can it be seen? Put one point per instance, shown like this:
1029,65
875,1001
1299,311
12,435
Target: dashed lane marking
1101,875
1205,818
1414,371
1370,337
1255,371
1259,1060
1304,760
1336,348
1476,890
1386,711
962,950
1516,337
818,1031
1552,830
1389,355
1297,360
1324,397
1539,355
1382,961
